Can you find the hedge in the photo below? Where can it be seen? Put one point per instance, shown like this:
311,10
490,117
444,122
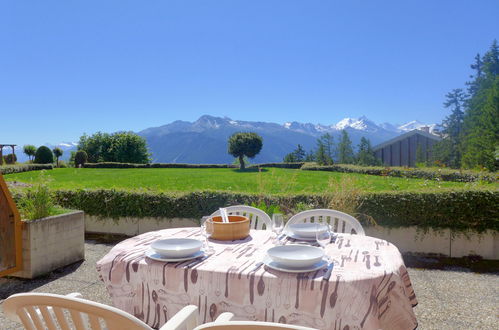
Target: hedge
9,169
406,172
155,165
279,165
461,210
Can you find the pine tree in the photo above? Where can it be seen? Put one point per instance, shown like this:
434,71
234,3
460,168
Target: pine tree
481,120
453,127
299,153
324,152
365,156
345,151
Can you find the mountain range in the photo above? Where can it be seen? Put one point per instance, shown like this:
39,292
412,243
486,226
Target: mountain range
205,140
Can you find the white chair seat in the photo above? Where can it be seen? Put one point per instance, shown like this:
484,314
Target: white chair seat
224,322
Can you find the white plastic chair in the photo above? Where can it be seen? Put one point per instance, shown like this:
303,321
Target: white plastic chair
224,322
37,311
258,218
340,222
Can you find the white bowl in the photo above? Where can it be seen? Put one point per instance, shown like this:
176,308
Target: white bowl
296,256
176,247
307,229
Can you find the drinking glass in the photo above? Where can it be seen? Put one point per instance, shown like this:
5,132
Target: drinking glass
323,237
206,231
277,227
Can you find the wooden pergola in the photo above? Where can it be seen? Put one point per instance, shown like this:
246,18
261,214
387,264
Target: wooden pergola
1,150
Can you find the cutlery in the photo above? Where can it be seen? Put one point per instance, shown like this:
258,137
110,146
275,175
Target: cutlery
328,271
196,261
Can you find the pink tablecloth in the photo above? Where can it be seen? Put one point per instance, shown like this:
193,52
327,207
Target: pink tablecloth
369,287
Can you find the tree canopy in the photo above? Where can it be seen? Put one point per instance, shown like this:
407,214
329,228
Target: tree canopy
345,150
123,147
243,144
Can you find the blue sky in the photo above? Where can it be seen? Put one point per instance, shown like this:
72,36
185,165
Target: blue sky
69,67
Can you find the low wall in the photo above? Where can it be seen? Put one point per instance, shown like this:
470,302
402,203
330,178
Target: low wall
444,242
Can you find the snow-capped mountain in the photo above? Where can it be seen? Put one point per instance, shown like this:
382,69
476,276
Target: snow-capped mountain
205,140
412,125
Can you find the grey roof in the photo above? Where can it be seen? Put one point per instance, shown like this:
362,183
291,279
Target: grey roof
404,136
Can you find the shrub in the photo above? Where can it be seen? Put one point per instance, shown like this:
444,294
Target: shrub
24,168
476,210
44,155
37,202
80,158
156,165
296,165
405,172
10,159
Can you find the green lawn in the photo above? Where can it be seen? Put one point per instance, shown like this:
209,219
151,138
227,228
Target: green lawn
272,180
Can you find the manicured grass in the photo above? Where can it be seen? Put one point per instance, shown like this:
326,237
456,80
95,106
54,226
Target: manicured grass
272,180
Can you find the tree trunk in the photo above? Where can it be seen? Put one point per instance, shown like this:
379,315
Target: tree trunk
241,162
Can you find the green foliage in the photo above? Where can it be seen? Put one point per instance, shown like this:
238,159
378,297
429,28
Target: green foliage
57,153
80,158
279,165
365,156
37,203
244,144
404,172
30,151
44,155
125,147
298,155
10,169
10,159
345,151
325,150
460,210
155,165
270,209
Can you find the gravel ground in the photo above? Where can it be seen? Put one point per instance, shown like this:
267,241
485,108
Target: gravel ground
452,298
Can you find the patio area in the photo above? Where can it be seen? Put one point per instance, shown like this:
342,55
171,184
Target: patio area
449,298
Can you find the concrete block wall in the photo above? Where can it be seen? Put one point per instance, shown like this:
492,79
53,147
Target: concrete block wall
51,243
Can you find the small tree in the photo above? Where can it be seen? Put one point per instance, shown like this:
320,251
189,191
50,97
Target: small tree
245,144
365,156
298,155
345,150
30,151
44,155
324,152
80,158
57,153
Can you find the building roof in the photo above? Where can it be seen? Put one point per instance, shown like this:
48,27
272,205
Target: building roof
405,136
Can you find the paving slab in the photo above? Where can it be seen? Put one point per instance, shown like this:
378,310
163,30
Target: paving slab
449,298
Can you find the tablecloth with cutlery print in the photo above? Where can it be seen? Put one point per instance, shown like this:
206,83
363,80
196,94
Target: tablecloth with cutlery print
369,287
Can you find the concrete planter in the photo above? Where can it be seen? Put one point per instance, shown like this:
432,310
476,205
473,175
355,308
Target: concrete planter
52,242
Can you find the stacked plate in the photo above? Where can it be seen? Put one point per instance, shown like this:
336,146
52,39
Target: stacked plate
304,231
295,258
175,249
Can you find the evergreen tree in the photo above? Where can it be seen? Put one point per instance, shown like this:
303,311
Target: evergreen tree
324,152
345,151
453,128
289,158
365,156
299,153
310,157
481,120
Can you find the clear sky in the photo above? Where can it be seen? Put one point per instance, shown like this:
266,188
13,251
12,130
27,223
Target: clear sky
69,67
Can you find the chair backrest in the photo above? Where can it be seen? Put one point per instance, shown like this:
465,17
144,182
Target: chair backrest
39,311
340,222
249,325
258,218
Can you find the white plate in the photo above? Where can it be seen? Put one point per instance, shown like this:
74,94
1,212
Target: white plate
274,265
307,230
176,247
296,255
290,234
151,254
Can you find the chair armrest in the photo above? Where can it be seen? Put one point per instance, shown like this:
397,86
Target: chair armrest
75,295
224,317
186,318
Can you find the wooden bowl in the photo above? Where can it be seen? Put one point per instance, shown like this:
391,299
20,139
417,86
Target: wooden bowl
238,227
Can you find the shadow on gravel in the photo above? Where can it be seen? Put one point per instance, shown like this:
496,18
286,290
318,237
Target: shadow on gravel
474,264
10,285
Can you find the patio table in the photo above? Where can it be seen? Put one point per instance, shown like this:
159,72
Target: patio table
369,287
